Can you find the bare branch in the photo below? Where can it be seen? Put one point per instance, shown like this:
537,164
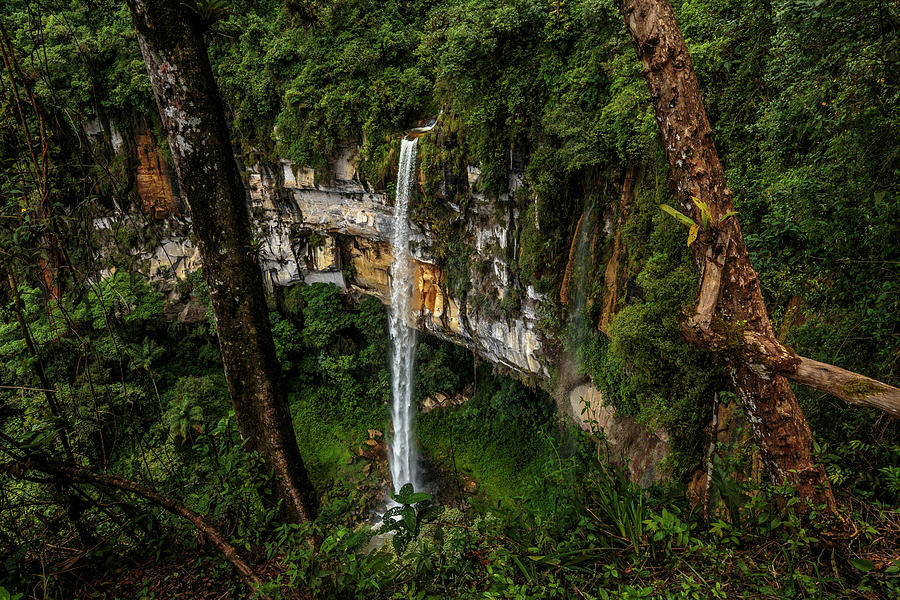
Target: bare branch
850,387
74,474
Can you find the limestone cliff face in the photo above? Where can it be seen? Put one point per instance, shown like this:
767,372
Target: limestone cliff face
339,233
314,227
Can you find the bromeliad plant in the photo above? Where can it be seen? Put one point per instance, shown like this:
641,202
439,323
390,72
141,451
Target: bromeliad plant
706,218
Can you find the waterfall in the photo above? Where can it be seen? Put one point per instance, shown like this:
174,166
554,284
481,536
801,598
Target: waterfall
403,455
577,329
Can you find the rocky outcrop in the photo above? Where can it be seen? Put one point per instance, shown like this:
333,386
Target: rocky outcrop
627,442
153,180
307,232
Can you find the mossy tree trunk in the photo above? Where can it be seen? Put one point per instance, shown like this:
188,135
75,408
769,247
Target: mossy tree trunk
193,116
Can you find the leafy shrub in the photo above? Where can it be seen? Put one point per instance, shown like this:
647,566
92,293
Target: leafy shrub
121,299
195,402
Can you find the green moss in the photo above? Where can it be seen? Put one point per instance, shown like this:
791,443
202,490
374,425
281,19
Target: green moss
645,368
732,332
314,239
511,303
860,388
456,262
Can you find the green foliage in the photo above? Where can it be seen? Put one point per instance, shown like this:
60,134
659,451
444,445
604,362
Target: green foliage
338,568
126,403
352,78
287,340
803,99
323,315
622,504
341,382
194,402
184,419
7,595
440,368
404,521
564,519
122,299
520,424
208,12
645,368
89,59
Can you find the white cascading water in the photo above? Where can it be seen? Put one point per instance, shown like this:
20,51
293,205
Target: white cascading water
403,455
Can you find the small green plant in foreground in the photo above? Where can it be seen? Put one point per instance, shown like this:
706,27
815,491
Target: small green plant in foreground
405,520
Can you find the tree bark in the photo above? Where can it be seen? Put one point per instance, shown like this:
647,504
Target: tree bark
730,291
191,111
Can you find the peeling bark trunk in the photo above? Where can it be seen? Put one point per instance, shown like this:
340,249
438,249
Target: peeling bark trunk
191,111
730,287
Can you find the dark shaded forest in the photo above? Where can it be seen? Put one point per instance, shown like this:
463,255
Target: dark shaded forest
140,458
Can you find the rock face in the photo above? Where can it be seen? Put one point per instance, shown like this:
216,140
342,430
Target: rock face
348,223
154,182
307,232
331,228
629,443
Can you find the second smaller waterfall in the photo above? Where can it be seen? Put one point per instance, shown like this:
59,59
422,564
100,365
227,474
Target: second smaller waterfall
577,328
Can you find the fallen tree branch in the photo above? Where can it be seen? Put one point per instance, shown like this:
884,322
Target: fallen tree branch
75,474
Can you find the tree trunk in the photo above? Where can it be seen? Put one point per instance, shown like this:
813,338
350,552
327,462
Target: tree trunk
191,111
730,292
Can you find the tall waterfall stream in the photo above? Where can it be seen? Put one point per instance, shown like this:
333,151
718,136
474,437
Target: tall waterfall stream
403,455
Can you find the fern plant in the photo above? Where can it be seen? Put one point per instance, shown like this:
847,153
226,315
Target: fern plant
185,420
891,478
209,12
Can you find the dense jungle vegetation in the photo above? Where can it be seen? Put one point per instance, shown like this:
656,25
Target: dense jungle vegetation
95,369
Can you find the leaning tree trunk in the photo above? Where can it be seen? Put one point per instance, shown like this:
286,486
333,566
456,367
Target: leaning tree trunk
191,111
730,300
